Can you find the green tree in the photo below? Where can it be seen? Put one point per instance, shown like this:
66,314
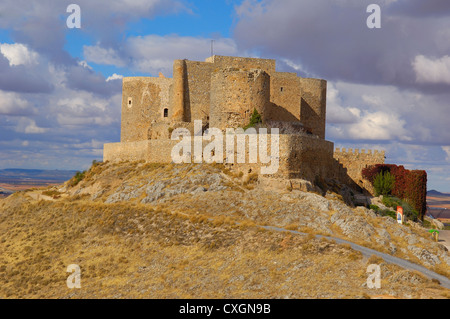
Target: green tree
383,183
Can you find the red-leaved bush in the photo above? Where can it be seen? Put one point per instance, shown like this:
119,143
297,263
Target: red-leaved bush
409,185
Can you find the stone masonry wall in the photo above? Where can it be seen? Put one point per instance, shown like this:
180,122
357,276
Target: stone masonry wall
197,91
300,156
125,151
143,101
313,105
350,164
285,95
306,157
235,93
267,65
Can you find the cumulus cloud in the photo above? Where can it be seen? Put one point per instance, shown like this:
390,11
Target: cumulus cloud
12,104
18,76
358,112
155,53
85,109
99,55
333,41
49,100
379,126
105,20
82,104
336,113
18,54
28,126
85,79
432,70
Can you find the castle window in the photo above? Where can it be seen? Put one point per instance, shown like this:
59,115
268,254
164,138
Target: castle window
130,102
166,112
281,89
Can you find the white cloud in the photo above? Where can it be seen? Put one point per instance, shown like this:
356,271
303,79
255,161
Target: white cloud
100,55
379,126
432,70
18,54
114,77
446,149
373,100
13,104
28,126
336,113
84,64
154,53
376,126
296,66
84,109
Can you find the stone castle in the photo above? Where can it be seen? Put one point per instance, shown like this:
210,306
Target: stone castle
223,92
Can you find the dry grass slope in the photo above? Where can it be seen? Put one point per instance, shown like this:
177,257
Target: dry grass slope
165,242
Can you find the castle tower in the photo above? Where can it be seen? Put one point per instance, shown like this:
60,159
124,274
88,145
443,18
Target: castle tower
179,81
235,94
313,105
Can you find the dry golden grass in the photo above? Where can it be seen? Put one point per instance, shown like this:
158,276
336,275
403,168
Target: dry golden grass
183,247
138,252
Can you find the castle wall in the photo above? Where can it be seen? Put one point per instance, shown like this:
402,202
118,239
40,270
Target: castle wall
235,93
153,151
129,151
143,101
351,163
306,157
267,65
285,95
300,156
198,90
313,105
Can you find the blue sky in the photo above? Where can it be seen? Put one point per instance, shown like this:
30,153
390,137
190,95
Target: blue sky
388,88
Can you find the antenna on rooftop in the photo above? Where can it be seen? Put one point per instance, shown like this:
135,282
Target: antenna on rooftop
212,47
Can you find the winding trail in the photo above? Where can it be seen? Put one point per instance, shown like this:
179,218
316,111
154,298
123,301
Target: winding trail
367,252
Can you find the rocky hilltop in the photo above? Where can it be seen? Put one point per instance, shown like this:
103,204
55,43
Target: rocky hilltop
202,231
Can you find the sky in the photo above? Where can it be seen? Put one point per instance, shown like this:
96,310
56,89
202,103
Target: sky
388,87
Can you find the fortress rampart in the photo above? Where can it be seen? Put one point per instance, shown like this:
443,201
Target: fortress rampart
223,92
351,163
300,156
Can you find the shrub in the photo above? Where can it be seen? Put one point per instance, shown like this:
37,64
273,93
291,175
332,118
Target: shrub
408,210
384,212
388,212
77,178
254,119
410,185
383,183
